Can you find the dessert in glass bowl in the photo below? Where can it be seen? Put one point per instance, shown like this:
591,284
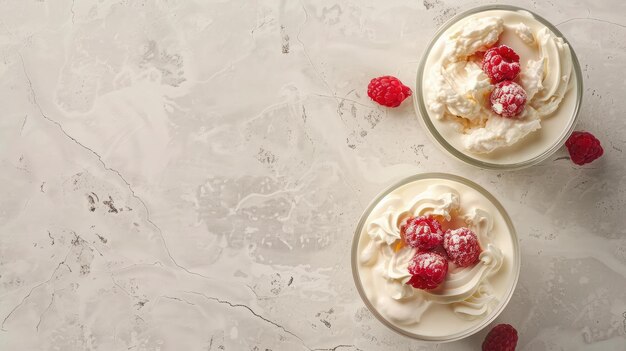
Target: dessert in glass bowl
435,257
499,87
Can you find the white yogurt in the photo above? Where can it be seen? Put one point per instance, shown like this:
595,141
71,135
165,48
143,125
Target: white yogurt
468,295
456,90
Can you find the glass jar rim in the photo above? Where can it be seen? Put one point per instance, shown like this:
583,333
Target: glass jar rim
422,111
516,260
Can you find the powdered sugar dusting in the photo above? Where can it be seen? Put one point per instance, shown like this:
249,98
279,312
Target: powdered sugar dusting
462,246
428,261
454,239
422,232
498,108
428,270
508,99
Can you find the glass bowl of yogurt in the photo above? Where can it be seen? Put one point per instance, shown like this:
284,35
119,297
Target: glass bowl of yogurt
470,297
453,91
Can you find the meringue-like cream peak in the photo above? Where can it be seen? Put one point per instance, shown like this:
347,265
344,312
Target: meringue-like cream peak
456,90
468,295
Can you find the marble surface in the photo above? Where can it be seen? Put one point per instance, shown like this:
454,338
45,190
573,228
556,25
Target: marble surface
187,175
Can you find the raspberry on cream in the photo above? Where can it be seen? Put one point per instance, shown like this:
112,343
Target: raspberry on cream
462,246
508,99
428,270
501,63
422,232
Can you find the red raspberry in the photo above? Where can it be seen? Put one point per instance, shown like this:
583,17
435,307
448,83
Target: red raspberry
462,246
423,232
508,99
428,270
501,63
583,147
388,91
503,337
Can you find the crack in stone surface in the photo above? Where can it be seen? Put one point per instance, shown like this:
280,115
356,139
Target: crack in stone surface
178,299
23,124
106,167
44,311
121,287
236,305
34,288
306,54
254,292
72,10
344,99
590,19
79,240
338,347
138,264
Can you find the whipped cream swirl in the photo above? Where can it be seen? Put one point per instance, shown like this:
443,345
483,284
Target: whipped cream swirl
466,290
457,89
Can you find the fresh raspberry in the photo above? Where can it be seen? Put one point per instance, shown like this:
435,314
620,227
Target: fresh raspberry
388,91
501,63
462,246
508,99
423,232
583,147
428,270
503,337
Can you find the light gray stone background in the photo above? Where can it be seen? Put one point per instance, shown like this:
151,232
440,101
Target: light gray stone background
187,175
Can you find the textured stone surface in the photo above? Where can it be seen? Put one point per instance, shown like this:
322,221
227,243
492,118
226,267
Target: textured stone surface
187,175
